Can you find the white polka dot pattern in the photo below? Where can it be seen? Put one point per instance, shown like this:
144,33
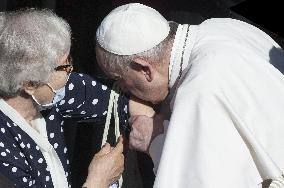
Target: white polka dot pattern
23,162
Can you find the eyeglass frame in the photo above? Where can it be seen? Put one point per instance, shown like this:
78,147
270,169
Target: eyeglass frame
68,68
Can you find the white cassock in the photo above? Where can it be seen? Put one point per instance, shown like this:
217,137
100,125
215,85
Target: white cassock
226,129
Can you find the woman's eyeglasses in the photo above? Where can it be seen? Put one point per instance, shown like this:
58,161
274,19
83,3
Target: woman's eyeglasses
68,67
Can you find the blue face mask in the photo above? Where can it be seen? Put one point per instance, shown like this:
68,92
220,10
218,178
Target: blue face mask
58,96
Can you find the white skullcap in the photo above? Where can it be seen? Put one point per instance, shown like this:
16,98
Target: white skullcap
132,28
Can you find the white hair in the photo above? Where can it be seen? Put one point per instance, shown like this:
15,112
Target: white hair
31,43
2,18
117,63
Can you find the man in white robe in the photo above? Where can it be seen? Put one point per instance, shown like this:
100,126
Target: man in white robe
226,99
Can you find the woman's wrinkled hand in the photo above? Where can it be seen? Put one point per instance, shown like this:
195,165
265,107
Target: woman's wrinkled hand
106,166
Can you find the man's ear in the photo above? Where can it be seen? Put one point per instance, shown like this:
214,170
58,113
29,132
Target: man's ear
145,67
29,87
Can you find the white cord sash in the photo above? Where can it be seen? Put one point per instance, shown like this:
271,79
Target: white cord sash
112,107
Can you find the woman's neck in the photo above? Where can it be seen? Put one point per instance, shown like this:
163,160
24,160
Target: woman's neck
24,106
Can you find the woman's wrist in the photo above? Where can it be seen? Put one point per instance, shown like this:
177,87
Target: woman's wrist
140,107
94,183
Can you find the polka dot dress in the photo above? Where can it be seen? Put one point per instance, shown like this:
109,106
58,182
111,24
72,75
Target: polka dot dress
21,160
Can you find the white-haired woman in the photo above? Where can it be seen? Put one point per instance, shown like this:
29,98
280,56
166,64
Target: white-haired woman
37,92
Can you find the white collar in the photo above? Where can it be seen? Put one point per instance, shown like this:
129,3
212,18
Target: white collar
40,136
180,54
181,50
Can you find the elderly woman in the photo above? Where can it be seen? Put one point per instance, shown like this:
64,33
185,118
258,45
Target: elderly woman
37,92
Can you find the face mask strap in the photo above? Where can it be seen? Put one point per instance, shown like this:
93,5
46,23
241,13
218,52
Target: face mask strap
51,88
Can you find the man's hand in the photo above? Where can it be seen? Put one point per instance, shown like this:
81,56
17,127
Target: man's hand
143,130
106,166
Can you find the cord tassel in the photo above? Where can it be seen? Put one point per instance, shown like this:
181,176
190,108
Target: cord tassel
112,107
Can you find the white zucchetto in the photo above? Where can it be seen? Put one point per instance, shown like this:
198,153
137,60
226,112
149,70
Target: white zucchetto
132,28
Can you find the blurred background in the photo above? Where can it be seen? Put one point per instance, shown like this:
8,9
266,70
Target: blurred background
84,139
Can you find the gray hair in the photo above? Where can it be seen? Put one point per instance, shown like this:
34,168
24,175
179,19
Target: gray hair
156,54
31,43
2,18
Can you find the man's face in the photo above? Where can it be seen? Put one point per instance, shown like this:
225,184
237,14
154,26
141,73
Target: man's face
136,82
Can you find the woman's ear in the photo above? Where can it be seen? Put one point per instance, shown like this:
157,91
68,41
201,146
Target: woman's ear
145,67
29,87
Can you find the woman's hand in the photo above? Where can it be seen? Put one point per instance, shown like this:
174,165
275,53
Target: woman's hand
106,166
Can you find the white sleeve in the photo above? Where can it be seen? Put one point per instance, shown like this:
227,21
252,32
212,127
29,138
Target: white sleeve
156,147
